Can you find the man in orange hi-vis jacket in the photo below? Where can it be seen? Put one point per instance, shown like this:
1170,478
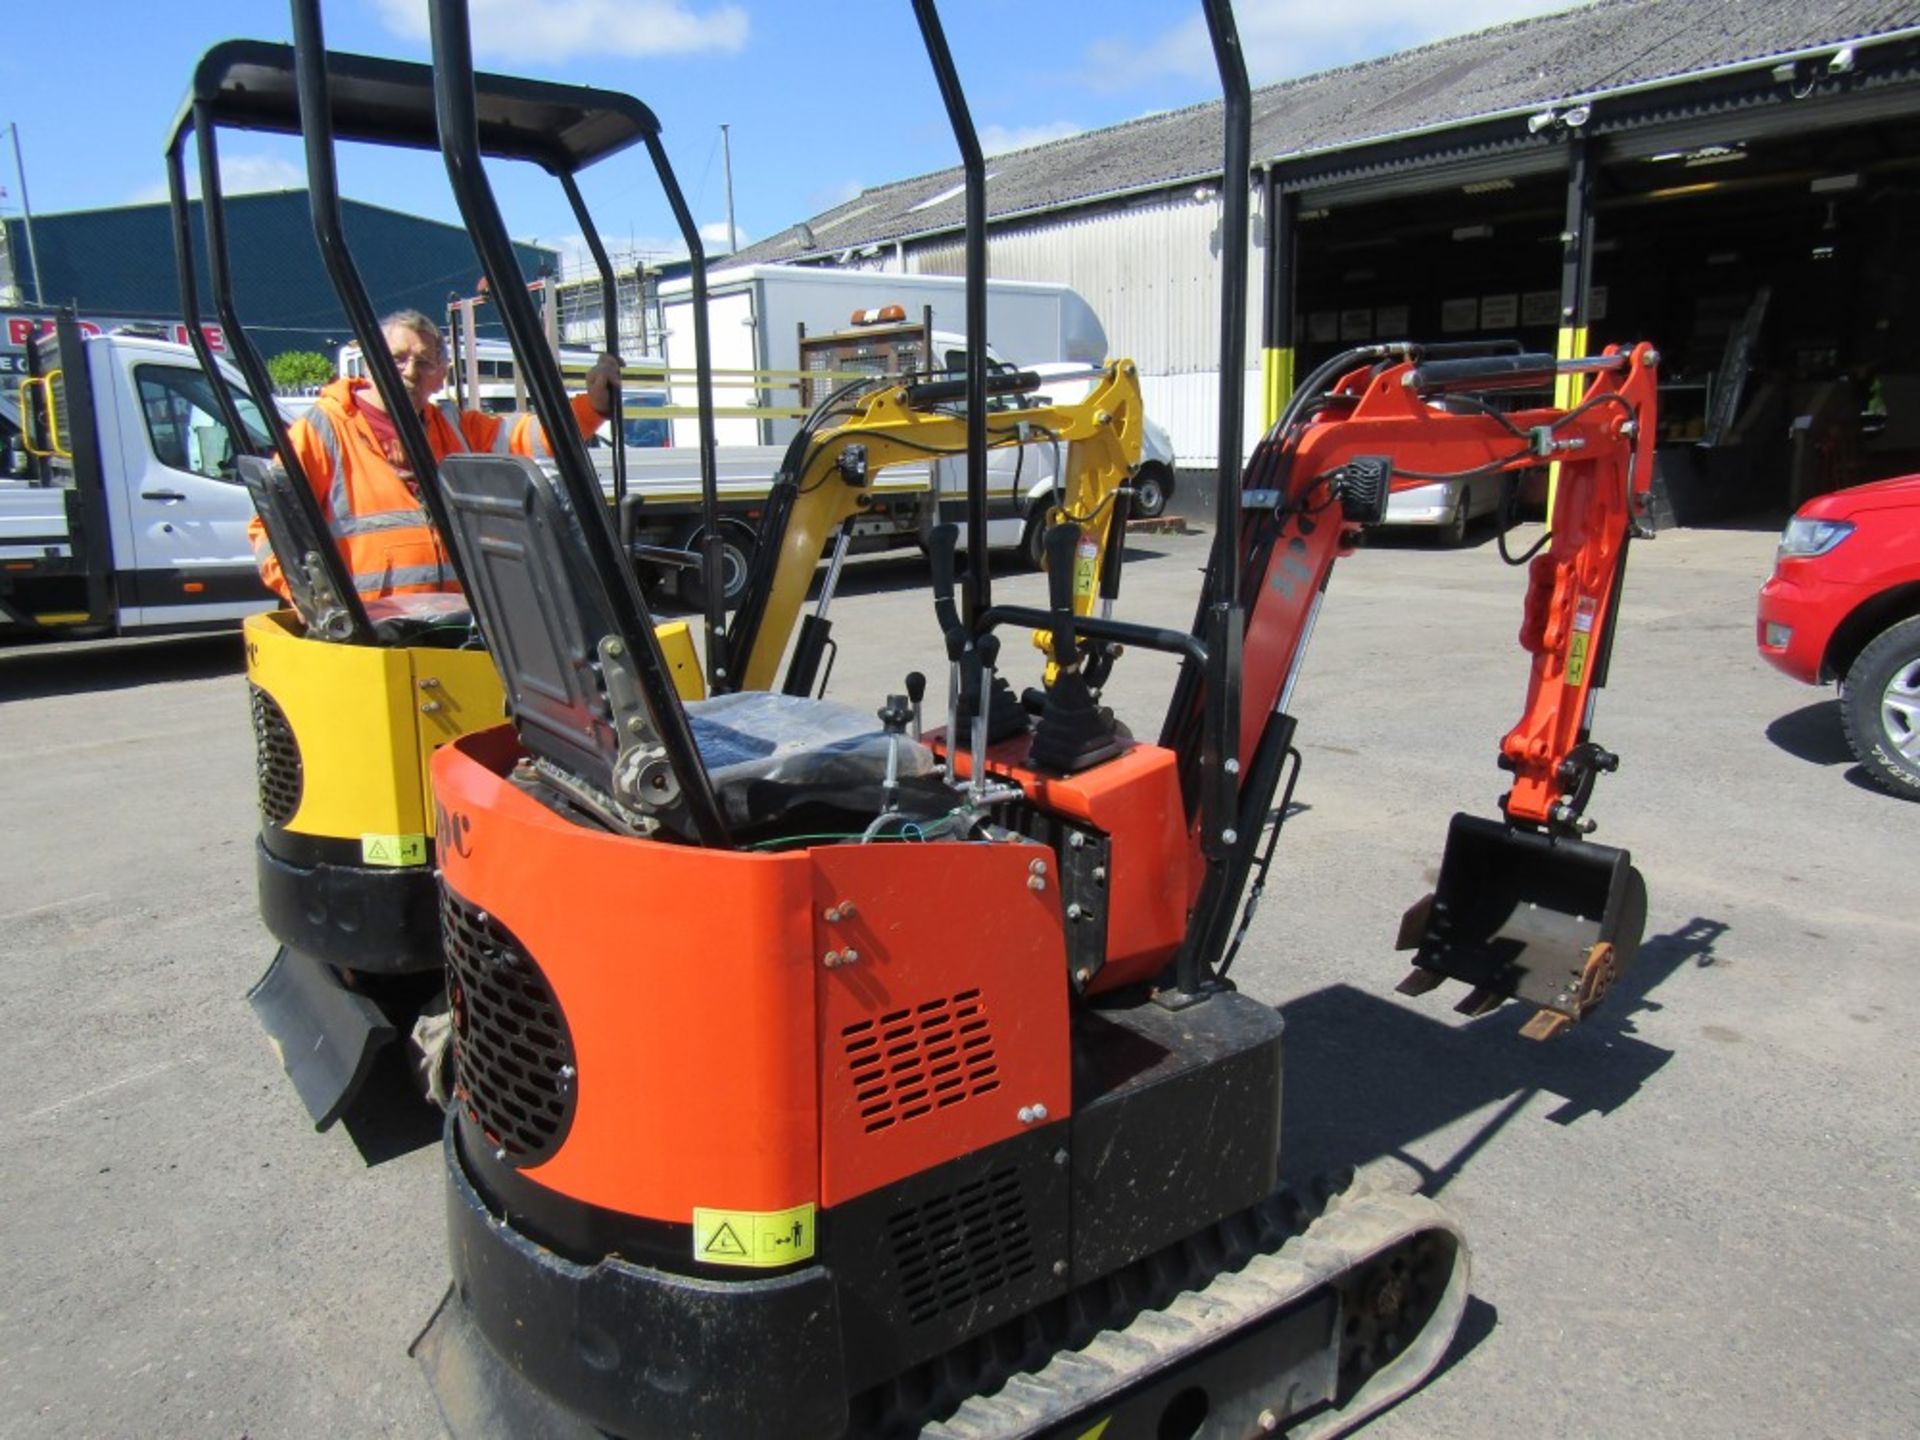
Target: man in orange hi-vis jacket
369,496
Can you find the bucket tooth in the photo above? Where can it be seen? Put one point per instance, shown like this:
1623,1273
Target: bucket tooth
1545,1025
1419,981
1481,1001
1414,925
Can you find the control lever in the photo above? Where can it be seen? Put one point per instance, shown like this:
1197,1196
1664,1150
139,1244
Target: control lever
956,652
942,542
1062,543
985,651
893,720
916,692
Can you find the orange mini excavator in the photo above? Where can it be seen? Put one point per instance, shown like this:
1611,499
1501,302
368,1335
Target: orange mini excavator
823,1077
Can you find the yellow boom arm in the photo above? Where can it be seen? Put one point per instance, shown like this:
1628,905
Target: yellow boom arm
1100,435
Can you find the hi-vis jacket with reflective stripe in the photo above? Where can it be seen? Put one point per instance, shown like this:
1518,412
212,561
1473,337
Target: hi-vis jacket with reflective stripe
376,520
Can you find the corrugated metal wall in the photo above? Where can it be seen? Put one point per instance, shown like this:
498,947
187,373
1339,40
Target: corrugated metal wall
1151,271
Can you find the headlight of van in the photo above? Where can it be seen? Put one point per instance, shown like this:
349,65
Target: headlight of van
1804,537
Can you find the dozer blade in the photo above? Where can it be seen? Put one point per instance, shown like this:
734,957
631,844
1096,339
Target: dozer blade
479,1394
328,1036
1520,915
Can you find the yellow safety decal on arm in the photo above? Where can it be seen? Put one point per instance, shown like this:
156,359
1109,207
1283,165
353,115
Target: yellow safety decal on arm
394,850
1584,615
757,1239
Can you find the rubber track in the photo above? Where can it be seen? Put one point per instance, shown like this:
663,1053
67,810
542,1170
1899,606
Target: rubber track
1357,1224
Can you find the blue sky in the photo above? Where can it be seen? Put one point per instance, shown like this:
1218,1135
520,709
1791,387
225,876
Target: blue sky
822,99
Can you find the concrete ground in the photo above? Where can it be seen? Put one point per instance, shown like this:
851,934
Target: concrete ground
1694,1216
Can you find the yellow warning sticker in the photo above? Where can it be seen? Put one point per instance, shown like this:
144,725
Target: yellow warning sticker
1577,658
758,1239
396,850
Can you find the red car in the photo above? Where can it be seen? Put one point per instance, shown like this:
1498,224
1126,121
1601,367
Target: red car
1844,604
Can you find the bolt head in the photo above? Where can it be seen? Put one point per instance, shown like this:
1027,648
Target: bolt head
1059,1269
1230,836
1024,1115
1036,882
1232,766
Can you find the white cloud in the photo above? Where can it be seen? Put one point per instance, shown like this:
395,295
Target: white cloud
999,139
1286,38
239,175
561,29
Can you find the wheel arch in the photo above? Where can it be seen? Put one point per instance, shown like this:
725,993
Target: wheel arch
1868,619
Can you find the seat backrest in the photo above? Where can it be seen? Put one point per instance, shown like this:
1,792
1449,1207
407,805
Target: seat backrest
534,589
317,578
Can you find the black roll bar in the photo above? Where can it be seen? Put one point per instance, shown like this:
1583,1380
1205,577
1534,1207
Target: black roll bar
713,551
196,118
610,324
1229,619
454,91
255,85
977,594
314,102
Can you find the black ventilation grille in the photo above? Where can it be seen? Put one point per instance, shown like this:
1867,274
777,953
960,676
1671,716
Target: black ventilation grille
909,1063
954,1251
513,1055
276,759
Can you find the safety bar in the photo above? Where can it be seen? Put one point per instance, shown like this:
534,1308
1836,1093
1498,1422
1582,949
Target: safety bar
1501,372
977,594
1121,632
455,102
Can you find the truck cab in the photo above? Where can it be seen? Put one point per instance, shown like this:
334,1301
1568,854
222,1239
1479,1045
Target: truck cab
129,516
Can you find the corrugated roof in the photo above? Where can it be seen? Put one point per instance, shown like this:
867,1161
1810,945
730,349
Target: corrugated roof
1609,45
121,261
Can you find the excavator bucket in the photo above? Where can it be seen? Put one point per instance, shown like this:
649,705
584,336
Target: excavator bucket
1519,915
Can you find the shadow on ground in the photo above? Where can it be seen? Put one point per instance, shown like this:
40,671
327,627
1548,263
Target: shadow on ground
33,672
1813,734
1367,1077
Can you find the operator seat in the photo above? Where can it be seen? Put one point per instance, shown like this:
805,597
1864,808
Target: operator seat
545,607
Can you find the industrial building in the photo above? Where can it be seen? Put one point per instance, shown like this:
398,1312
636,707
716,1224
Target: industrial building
119,263
1736,182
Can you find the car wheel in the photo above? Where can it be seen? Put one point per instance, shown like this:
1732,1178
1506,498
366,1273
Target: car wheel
1453,534
1150,491
1880,709
1033,539
736,551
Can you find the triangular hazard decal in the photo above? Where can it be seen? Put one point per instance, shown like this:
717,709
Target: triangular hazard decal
725,1242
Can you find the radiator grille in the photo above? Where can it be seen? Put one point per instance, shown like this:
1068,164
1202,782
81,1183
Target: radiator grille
276,759
513,1055
910,1063
961,1248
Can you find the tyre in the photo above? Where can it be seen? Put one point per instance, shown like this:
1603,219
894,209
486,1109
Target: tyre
1151,487
1033,539
736,551
1453,534
1880,709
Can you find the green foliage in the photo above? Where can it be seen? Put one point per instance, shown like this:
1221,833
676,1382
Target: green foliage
300,369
